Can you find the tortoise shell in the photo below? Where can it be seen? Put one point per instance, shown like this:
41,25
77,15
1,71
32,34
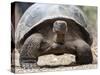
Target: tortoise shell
39,18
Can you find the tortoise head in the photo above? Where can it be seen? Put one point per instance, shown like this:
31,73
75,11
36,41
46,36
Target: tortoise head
60,27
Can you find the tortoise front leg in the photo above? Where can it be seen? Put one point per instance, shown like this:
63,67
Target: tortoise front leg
29,51
83,52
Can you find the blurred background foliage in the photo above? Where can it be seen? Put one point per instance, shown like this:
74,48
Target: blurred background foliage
91,15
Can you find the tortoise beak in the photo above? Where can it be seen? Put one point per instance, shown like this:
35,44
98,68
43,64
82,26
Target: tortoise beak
60,26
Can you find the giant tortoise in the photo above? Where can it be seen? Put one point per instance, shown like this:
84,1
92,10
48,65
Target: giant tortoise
53,29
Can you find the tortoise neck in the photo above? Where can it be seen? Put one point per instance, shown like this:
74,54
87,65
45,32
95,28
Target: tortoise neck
60,38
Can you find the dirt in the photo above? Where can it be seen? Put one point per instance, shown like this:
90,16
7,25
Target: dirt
61,68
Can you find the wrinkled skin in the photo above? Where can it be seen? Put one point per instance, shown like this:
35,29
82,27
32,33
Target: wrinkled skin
36,45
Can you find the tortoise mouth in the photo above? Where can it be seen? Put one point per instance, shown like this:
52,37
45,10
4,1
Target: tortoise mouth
60,27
